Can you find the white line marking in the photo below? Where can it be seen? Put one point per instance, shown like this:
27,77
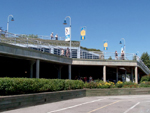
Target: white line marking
132,107
75,106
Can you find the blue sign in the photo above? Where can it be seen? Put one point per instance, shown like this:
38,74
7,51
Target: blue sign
83,33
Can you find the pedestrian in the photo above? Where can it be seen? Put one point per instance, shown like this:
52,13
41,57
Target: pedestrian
90,79
116,55
67,52
52,36
56,37
122,55
85,79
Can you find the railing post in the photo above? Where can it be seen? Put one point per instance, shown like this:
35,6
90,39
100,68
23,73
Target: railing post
27,42
0,34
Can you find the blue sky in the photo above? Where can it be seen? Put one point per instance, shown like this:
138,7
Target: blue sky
108,20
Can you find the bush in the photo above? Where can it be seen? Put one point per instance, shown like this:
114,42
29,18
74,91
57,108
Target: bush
145,78
119,84
145,84
130,85
27,85
73,84
91,85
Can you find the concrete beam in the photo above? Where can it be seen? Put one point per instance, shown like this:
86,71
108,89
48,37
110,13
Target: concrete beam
103,62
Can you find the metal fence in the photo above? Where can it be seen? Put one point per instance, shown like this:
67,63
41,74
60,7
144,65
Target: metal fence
37,44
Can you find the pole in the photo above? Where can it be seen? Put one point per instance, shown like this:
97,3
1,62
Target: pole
124,46
70,35
8,21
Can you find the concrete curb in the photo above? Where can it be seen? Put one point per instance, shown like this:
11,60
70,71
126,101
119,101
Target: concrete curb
24,100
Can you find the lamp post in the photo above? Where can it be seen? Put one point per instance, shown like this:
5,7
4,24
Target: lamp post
123,45
70,31
12,19
137,53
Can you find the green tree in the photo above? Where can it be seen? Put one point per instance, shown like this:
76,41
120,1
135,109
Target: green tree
146,59
110,58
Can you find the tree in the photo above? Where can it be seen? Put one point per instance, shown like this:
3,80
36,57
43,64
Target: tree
146,59
110,58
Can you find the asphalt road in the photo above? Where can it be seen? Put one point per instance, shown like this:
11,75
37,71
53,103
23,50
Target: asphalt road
101,104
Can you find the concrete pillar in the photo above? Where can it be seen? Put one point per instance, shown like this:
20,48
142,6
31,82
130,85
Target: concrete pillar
37,68
104,73
116,74
136,74
31,68
69,71
125,75
59,72
131,77
78,53
52,50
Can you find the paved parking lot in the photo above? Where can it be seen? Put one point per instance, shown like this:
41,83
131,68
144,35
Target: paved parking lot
101,104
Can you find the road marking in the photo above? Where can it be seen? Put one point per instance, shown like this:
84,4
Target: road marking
75,106
132,107
104,106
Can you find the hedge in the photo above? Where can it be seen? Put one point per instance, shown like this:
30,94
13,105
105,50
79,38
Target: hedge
10,86
145,78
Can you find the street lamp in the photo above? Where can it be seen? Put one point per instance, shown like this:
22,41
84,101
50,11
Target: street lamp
12,19
70,32
124,45
137,53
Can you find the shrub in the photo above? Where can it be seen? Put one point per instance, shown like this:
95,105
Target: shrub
105,85
73,84
27,85
92,85
145,78
130,85
145,84
86,85
119,84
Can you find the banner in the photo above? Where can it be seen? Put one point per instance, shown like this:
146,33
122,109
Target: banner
122,49
83,33
67,33
105,45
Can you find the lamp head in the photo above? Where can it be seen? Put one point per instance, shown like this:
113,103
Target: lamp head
120,42
12,19
65,22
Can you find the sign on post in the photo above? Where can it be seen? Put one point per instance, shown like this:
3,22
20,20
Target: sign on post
105,45
67,33
83,33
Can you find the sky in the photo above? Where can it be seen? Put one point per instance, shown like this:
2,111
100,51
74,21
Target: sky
105,20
